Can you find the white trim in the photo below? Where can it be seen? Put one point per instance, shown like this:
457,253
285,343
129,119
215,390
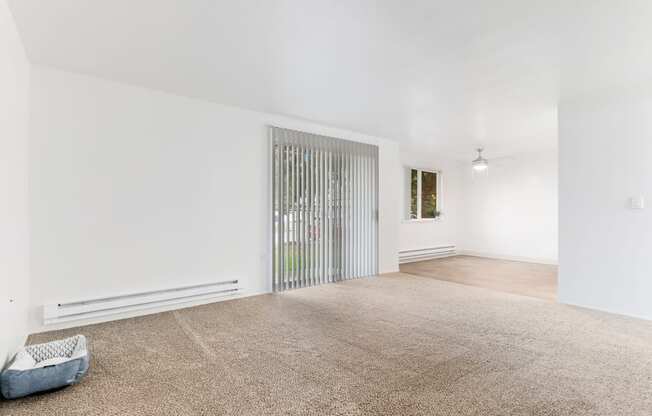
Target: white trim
539,260
421,254
604,310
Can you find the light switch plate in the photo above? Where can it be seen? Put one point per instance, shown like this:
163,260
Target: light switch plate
637,202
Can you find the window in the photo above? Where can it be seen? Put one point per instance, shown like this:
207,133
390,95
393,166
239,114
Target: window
423,187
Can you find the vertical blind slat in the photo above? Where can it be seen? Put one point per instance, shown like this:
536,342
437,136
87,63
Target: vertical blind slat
330,197
369,214
354,215
360,212
349,215
301,216
286,218
324,179
305,219
293,212
357,214
283,215
274,209
345,218
313,258
309,205
322,210
365,223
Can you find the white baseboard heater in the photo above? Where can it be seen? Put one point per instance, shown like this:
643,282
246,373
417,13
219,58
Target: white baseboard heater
408,256
93,308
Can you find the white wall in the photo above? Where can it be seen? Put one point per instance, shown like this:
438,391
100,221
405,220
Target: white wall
605,158
445,229
511,211
14,225
134,189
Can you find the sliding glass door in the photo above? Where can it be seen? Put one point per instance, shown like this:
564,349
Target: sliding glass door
324,209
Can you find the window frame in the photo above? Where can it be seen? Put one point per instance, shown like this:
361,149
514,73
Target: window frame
438,180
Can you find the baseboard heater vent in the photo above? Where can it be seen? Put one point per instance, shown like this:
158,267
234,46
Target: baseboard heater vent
93,308
407,256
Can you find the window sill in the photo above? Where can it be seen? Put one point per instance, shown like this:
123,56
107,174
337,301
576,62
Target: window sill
421,220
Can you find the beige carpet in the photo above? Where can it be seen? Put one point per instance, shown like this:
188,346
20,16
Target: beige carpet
393,345
527,279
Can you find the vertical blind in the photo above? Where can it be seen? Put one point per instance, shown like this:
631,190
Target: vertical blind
324,209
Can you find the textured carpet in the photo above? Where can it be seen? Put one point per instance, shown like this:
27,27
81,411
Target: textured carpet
527,279
393,345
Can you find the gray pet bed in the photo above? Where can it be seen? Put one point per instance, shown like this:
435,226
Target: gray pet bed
45,367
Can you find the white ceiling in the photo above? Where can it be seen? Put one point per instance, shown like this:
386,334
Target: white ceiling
441,75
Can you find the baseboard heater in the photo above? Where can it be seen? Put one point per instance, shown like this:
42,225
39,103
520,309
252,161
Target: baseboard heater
93,308
420,254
